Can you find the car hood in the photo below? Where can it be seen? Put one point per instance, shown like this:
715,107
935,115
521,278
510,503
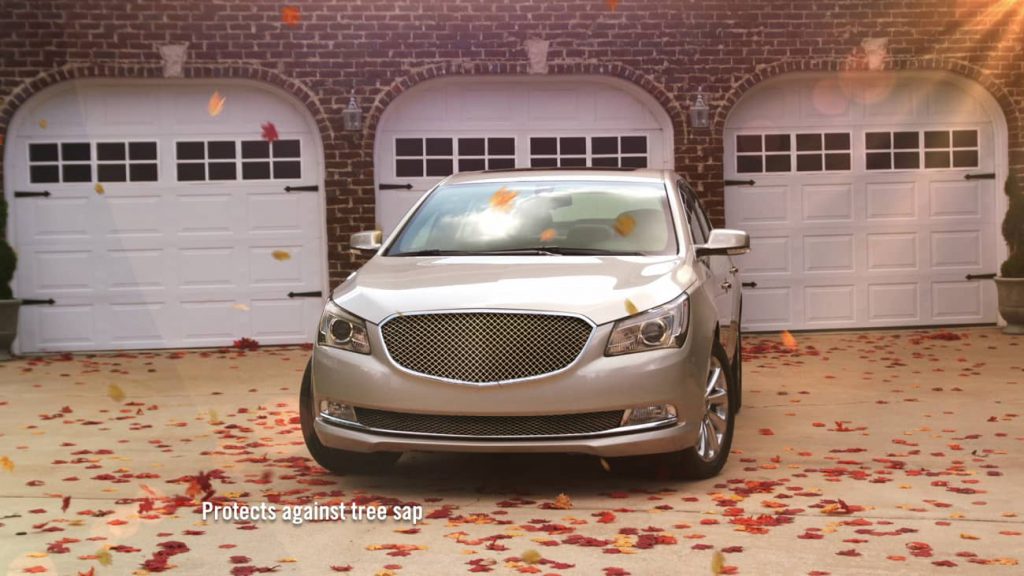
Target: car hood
601,288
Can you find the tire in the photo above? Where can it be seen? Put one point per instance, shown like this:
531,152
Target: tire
699,461
334,460
737,373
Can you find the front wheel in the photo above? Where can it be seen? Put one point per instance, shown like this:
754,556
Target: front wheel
715,428
337,461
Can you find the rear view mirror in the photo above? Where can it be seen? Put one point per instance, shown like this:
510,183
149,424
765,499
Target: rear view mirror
366,241
725,242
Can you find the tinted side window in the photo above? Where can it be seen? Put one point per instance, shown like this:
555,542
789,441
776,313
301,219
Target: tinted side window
697,228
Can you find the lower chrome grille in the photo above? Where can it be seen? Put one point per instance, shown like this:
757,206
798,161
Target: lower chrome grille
490,426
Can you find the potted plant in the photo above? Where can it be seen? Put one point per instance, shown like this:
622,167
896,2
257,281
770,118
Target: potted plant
1010,282
8,305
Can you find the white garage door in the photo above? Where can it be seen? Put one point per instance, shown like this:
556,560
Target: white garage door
869,200
152,223
472,123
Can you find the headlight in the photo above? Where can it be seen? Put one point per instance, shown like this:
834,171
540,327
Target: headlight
661,327
340,329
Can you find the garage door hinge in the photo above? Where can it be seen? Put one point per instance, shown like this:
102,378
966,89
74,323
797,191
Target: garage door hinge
980,276
750,284
394,186
310,188
20,194
986,176
311,294
37,302
739,182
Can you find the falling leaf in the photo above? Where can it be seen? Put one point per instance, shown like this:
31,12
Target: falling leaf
548,235
115,392
103,556
216,104
717,563
42,123
631,308
214,418
625,224
281,255
7,464
290,15
562,502
531,557
269,131
604,464
613,4
240,306
99,188
503,199
788,340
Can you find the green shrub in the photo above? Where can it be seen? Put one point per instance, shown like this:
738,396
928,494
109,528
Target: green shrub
8,259
1013,230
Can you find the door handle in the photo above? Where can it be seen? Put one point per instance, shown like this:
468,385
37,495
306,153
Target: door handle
726,285
310,188
394,187
733,270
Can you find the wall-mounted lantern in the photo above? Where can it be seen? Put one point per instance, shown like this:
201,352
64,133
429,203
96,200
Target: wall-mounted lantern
352,116
700,113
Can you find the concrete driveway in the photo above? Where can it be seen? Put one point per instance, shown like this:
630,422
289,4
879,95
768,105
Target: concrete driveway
856,453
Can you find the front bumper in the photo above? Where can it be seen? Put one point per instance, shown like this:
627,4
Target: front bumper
594,383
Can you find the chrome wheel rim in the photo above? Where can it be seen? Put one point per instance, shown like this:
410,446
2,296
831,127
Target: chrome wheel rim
715,423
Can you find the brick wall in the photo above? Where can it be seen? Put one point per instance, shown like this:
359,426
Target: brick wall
376,49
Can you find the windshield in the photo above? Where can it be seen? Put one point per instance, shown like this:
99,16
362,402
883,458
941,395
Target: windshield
557,217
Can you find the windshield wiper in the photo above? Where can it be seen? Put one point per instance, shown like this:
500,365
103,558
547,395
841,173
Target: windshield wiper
435,252
562,251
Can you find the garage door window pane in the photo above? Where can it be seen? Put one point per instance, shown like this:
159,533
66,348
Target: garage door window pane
604,145
936,139
965,158
906,160
905,140
808,163
777,163
191,172
605,162
837,141
634,145
878,161
287,170
112,173
501,146
501,163
286,149
808,142
965,139
544,162
142,172
472,164
837,161
439,167
255,170
42,153
222,171
255,149
877,141
543,146
634,161
572,146
936,159
110,151
748,143
776,142
191,151
409,168
749,164
75,152
142,150
77,173
572,162
221,150
44,174
471,147
439,147
408,147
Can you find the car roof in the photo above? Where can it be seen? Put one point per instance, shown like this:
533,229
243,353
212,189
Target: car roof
564,174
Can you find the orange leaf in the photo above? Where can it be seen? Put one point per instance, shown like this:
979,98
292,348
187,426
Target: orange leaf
548,235
625,224
216,104
630,307
503,199
290,15
115,392
788,340
7,464
281,255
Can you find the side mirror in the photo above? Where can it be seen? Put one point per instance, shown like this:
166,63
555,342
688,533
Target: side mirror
725,242
366,241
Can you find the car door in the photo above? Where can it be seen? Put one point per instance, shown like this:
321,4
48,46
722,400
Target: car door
721,272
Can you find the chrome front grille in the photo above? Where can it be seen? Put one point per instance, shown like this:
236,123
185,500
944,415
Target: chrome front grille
480,347
490,426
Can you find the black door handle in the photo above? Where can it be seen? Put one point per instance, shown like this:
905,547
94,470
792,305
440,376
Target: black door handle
985,176
37,302
980,276
310,188
310,294
749,284
394,187
739,182
20,194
